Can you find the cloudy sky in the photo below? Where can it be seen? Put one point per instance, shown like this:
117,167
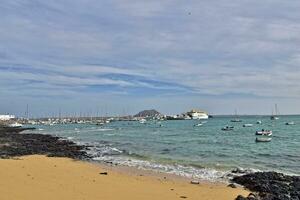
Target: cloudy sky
121,56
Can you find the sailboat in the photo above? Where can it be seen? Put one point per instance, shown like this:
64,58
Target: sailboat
275,117
236,119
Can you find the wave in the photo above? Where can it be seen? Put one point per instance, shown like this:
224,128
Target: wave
205,174
107,152
105,129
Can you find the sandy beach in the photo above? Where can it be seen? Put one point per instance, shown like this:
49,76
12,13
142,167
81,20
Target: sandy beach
40,177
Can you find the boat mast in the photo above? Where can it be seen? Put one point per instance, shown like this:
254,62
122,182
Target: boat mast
276,110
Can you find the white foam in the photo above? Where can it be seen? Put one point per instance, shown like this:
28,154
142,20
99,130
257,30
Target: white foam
105,129
205,174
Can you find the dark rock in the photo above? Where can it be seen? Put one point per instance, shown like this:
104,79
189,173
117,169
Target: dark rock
28,144
232,185
240,197
103,173
183,197
252,196
270,185
195,182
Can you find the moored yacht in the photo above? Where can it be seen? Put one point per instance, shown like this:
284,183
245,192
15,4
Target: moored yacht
15,125
142,121
290,123
247,125
275,117
264,132
236,119
227,128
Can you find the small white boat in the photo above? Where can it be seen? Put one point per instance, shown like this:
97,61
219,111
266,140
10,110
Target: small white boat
274,118
200,124
227,128
264,132
236,120
263,139
290,123
247,125
142,121
15,125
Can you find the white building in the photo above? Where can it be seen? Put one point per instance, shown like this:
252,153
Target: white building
6,117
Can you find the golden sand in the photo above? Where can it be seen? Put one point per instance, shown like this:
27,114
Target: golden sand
43,178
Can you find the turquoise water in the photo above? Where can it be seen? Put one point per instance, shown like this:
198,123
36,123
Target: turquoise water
179,147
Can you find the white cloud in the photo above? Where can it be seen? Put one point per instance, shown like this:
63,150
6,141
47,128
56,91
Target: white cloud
203,47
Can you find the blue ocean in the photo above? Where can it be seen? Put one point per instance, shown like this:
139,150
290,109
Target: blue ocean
179,147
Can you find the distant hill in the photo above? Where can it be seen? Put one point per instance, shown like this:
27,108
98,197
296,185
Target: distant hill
148,113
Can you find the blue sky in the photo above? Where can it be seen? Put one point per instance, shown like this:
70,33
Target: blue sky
121,56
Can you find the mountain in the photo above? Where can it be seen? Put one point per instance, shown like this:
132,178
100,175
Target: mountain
148,113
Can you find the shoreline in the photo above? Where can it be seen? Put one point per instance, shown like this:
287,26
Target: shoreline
43,149
65,178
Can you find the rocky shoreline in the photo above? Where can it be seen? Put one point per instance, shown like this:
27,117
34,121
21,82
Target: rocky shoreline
264,185
16,144
269,186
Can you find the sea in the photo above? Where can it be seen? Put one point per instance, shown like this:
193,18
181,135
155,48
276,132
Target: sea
181,148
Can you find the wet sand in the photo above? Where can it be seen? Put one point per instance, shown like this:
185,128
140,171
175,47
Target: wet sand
38,177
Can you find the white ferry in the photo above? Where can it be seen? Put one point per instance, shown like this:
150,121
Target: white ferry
197,114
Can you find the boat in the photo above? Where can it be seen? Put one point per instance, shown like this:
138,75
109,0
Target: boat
15,125
290,123
264,132
263,139
200,124
142,121
275,117
227,128
197,114
236,119
175,117
247,125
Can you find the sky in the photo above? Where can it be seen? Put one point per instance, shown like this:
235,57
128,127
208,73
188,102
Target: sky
123,56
